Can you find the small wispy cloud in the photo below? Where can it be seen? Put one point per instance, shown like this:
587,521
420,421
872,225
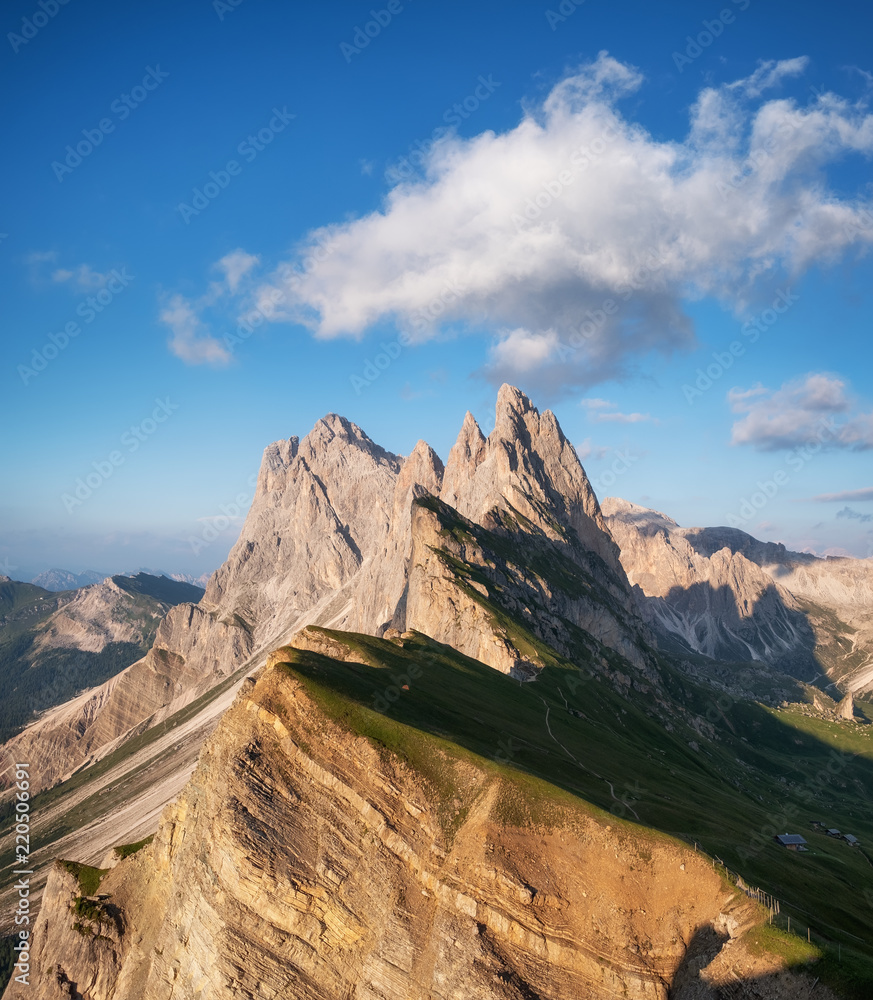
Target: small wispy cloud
847,496
854,515
82,278
235,266
188,318
769,74
190,339
601,411
588,450
41,256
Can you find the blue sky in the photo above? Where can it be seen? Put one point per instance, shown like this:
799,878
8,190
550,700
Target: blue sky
655,219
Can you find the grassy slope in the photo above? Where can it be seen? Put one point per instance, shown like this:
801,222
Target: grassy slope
712,795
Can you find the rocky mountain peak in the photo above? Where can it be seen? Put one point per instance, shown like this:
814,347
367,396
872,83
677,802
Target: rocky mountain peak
424,468
526,466
632,513
464,458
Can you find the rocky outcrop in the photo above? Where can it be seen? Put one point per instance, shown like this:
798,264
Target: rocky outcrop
846,708
120,609
322,510
192,651
323,867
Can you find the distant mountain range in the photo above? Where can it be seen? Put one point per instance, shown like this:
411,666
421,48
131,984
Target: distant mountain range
62,579
54,645
57,580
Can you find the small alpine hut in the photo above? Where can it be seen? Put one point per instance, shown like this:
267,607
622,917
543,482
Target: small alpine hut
793,841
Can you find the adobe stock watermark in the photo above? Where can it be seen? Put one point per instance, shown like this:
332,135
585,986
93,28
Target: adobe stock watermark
712,29
248,149
31,26
382,701
218,523
362,36
566,8
752,330
122,107
131,440
809,793
22,913
222,7
459,111
88,311
392,349
796,460
860,228
594,320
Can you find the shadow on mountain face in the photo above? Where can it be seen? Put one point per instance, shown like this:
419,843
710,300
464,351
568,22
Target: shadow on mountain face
766,630
690,981
702,950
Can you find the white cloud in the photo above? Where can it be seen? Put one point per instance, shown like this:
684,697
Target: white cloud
41,256
236,265
602,411
83,277
572,239
769,74
624,418
80,278
190,340
801,411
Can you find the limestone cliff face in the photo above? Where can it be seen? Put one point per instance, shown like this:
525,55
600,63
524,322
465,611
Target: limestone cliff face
461,575
528,466
730,596
322,510
191,652
329,541
716,602
305,861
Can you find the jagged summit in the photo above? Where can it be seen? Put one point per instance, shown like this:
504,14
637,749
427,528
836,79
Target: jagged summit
528,466
329,540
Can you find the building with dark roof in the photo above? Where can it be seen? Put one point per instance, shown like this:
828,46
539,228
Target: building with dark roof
793,841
